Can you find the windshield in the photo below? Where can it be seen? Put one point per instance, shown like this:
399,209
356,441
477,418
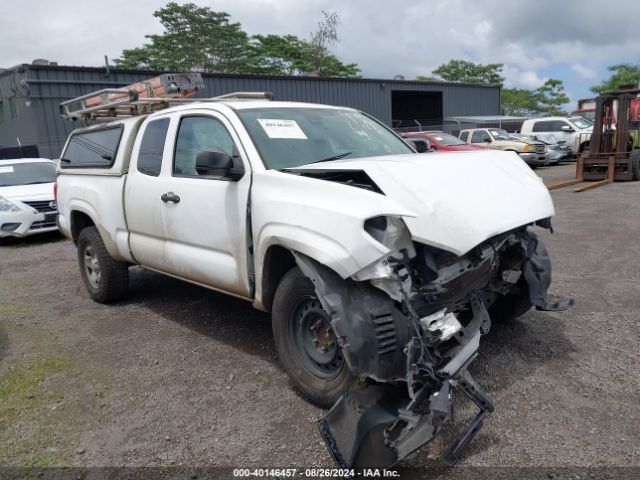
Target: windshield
446,139
12,174
580,122
499,134
291,137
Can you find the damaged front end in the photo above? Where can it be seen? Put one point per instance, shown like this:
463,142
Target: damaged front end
409,325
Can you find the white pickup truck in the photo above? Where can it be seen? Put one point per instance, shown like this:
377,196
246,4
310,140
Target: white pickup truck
381,267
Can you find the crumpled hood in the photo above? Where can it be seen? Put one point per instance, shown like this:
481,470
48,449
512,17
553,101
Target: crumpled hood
460,199
36,191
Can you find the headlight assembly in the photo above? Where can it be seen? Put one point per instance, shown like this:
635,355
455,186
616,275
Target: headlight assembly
8,206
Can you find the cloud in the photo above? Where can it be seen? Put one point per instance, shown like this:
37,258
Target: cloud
519,78
584,72
534,40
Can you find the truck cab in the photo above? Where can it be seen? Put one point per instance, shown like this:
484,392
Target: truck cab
576,131
534,153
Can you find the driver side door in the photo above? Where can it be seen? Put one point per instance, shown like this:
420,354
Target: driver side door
205,221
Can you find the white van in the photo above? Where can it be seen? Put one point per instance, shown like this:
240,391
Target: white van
576,131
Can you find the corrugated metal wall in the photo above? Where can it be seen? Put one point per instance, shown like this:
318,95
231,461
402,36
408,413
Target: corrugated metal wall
35,92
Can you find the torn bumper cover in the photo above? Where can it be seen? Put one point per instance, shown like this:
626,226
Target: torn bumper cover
410,355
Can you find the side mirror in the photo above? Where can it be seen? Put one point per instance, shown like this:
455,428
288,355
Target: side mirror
216,163
420,145
486,139
567,128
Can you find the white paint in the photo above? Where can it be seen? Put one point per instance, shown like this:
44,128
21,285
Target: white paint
453,201
8,169
460,199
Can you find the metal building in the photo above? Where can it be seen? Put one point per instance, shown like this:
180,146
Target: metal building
30,95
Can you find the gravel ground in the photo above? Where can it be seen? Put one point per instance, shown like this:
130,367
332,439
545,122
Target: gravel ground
178,375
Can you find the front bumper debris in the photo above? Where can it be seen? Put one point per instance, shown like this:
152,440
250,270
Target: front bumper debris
377,425
410,355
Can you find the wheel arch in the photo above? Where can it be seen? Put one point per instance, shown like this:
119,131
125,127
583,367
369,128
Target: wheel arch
82,216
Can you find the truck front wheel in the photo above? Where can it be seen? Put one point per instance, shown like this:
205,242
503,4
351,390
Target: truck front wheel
306,344
105,278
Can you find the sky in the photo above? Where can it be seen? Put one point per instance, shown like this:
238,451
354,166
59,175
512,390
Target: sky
570,40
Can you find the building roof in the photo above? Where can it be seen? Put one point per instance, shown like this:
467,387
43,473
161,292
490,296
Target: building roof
153,73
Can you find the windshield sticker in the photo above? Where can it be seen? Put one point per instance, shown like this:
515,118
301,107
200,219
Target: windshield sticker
8,169
277,128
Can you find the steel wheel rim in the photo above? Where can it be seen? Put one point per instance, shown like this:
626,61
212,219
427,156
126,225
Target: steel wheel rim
92,266
314,340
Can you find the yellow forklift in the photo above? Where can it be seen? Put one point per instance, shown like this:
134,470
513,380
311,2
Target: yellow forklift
614,150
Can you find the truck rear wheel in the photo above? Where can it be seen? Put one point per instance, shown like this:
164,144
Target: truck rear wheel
106,279
306,344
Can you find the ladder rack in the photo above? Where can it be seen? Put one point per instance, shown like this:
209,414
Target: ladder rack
144,97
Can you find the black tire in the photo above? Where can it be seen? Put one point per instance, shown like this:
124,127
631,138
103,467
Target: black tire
635,164
320,376
106,279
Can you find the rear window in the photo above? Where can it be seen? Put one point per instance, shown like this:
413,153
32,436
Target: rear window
93,149
547,126
152,147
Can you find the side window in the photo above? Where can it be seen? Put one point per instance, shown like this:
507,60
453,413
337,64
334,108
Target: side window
464,136
152,147
479,136
543,126
196,134
92,149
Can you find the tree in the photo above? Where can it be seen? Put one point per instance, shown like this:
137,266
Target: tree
288,55
551,97
195,38
325,64
200,39
622,74
279,55
468,72
519,102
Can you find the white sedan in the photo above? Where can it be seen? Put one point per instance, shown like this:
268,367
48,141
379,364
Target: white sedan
27,204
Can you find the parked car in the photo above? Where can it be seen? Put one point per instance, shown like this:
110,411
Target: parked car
27,203
440,141
531,151
558,150
375,263
576,131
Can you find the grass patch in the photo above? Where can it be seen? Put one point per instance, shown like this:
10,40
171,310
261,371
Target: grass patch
33,432
9,310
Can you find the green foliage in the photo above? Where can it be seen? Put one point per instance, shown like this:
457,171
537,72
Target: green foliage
622,74
551,97
288,55
546,99
427,78
468,72
200,39
518,102
195,38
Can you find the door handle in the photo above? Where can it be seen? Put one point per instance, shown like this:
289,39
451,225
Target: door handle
170,197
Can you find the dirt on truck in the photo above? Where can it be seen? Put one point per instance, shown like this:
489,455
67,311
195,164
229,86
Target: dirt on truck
381,268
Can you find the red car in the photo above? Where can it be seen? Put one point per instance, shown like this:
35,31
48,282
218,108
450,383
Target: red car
440,141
